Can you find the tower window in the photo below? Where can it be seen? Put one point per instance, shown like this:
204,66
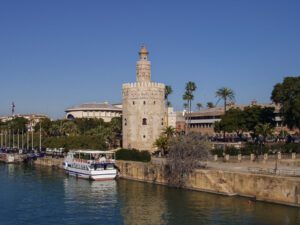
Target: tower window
133,103
144,121
144,102
162,122
154,102
144,136
125,122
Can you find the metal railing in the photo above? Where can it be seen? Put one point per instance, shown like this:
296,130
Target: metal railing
271,171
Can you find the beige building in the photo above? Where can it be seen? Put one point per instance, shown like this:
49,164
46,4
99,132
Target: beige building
33,119
203,121
103,111
144,107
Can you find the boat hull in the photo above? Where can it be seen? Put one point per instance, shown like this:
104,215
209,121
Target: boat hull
92,175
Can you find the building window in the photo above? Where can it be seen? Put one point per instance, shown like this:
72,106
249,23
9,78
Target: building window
144,136
144,102
154,102
125,122
144,121
133,103
162,122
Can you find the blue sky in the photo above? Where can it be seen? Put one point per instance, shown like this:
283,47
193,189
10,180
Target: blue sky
59,53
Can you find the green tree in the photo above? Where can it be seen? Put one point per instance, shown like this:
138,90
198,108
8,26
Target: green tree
264,129
45,125
287,94
18,123
210,105
226,94
69,128
232,121
199,106
188,96
162,143
55,130
86,124
169,131
185,106
256,114
168,91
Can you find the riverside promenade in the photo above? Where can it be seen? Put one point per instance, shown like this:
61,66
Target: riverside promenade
255,180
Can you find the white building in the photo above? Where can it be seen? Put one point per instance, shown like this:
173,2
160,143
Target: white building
103,111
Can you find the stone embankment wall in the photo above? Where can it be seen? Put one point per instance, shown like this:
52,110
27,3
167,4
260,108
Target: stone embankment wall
276,189
49,161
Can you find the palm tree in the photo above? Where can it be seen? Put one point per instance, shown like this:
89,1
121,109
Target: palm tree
188,96
210,105
225,94
168,91
185,106
169,131
264,129
199,106
161,143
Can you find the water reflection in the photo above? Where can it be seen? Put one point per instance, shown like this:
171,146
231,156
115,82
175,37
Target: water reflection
142,204
41,195
97,198
150,204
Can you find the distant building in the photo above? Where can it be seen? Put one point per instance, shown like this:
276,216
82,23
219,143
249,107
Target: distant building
103,111
203,121
180,122
144,109
33,119
172,117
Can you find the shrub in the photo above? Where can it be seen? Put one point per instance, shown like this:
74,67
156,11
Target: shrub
232,151
133,155
217,151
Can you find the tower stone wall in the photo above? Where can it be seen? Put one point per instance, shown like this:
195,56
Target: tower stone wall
143,108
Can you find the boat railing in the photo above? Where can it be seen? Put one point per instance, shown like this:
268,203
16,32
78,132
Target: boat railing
94,161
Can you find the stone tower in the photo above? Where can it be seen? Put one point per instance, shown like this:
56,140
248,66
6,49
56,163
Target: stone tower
143,107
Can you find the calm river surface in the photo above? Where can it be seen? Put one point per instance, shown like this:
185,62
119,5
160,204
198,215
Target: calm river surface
34,195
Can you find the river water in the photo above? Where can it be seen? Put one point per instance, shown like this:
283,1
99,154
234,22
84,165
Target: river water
34,195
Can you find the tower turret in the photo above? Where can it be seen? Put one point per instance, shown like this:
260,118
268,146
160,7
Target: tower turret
143,67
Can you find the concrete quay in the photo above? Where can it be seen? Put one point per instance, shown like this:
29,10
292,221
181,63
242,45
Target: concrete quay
261,187
11,158
218,178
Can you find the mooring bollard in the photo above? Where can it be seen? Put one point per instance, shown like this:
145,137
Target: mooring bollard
239,157
227,157
215,157
279,155
252,157
293,155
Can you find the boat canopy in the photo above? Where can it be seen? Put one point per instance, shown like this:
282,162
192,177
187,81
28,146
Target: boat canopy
93,152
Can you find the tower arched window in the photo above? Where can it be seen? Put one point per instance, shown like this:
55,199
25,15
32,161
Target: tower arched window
144,121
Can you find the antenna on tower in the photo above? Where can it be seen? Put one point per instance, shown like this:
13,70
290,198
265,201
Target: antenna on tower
13,108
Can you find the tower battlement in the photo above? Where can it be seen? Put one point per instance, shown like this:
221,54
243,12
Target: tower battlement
143,84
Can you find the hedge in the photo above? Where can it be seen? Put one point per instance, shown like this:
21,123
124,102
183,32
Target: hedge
259,149
133,155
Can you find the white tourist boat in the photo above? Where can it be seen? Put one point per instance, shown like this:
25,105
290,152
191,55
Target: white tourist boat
92,165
